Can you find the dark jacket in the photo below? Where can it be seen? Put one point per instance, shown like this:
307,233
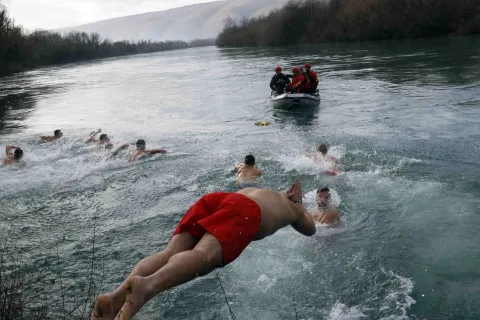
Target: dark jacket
280,82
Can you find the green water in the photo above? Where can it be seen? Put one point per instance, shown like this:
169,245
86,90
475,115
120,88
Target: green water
403,117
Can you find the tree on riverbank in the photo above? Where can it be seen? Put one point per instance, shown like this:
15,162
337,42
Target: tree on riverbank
20,50
316,21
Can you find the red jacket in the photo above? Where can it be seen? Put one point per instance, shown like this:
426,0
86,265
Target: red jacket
314,77
299,84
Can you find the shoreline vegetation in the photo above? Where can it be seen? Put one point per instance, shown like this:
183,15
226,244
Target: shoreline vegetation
21,51
318,21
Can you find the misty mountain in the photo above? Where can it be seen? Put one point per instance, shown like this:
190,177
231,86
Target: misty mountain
185,23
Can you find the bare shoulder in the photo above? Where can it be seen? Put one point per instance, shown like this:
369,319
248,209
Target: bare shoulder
334,211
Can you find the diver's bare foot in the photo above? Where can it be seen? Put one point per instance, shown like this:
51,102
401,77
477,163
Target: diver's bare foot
103,309
136,297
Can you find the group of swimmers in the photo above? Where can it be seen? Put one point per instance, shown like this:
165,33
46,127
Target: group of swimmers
325,213
212,233
15,154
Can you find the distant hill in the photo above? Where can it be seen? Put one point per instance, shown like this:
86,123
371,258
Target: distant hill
185,23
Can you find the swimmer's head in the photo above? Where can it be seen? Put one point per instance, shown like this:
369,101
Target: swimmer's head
58,134
323,198
323,148
104,138
250,160
18,154
141,144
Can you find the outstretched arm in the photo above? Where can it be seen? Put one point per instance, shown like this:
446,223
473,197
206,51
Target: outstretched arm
93,135
304,222
156,151
8,150
46,138
122,147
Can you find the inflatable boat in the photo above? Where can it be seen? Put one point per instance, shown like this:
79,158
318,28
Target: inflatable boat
295,99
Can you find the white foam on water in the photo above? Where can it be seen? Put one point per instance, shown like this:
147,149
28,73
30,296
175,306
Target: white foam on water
341,311
300,163
324,231
308,162
264,283
398,297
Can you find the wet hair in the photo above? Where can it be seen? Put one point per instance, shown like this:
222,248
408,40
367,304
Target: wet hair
323,190
103,137
250,160
141,142
323,148
57,133
18,154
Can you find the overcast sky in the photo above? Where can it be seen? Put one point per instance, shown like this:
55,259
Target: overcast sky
51,14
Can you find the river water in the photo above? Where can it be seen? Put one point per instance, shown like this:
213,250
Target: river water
403,117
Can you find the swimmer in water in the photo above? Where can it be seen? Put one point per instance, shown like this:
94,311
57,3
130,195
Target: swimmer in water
246,171
140,152
330,161
325,213
323,151
103,143
57,134
12,157
212,234
93,136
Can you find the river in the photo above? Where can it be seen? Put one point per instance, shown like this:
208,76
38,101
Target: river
403,117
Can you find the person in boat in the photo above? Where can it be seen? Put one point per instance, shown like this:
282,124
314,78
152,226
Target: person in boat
57,134
12,157
280,81
212,234
312,76
300,83
246,171
139,153
325,213
102,143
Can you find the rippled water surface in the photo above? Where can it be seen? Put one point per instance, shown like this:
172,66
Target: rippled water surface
403,117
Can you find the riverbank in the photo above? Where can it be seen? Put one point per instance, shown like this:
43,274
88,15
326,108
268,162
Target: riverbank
21,51
315,21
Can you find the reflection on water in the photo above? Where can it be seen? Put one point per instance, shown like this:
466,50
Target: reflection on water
301,116
14,109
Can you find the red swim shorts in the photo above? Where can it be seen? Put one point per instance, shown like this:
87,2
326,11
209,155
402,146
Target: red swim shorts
232,218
